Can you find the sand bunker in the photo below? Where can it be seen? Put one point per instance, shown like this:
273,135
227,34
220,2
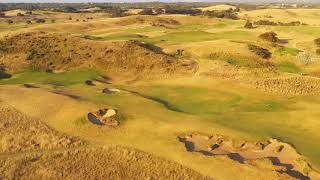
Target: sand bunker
282,157
110,91
104,117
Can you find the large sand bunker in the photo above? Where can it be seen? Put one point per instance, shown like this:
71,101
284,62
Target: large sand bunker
278,156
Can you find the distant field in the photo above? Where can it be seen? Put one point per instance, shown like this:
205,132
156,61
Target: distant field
222,91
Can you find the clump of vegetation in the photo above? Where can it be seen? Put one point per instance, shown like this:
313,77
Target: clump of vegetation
28,22
271,23
40,21
282,50
318,51
229,14
265,22
29,12
262,52
269,36
2,14
182,10
248,25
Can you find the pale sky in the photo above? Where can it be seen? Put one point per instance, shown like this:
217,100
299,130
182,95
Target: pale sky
84,1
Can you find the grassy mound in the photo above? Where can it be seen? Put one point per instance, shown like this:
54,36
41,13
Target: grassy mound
59,52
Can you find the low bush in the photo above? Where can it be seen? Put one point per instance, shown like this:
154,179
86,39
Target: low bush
262,52
269,36
318,51
40,21
317,42
9,21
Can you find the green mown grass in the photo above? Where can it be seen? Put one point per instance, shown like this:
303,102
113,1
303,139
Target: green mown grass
286,51
198,36
288,67
202,101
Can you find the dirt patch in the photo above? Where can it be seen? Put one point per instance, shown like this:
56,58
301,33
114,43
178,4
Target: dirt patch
278,156
60,52
20,133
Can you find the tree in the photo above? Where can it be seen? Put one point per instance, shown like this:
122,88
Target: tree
317,42
9,21
262,52
40,21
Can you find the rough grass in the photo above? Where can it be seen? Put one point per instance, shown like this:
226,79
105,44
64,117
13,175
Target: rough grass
240,60
288,67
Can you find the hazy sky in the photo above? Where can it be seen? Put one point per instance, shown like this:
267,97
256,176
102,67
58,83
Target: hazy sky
75,1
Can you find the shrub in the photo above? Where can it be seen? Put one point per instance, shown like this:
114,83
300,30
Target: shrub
269,36
146,12
248,25
3,73
318,51
53,21
30,55
317,42
20,14
40,21
229,14
29,12
262,52
28,22
9,21
265,22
